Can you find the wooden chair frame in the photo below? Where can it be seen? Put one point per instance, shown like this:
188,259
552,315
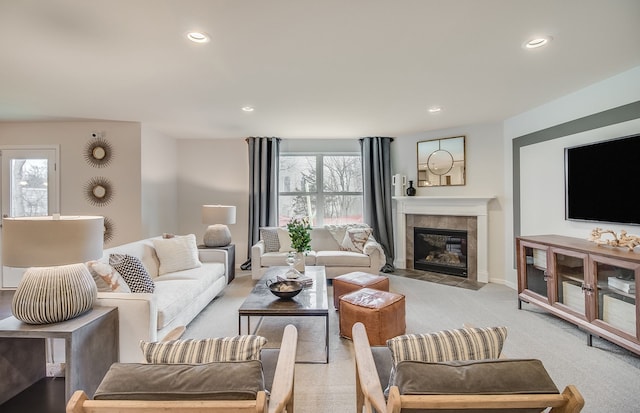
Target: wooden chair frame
279,401
369,394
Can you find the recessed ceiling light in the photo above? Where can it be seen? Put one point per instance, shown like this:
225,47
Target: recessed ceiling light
537,42
435,109
248,109
198,37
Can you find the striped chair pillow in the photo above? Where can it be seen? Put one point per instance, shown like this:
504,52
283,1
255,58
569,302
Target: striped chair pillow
208,350
449,345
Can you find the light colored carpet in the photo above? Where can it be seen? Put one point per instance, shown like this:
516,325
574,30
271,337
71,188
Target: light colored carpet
607,375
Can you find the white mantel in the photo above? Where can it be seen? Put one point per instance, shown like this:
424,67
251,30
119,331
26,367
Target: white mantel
441,205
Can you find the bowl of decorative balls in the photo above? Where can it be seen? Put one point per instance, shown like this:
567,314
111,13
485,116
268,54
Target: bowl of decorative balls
285,290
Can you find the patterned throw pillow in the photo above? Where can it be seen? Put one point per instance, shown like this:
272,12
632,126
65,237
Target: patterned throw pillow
355,238
107,278
449,345
270,238
133,272
208,350
177,253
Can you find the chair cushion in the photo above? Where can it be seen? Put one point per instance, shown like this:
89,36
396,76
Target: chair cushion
207,350
504,376
237,380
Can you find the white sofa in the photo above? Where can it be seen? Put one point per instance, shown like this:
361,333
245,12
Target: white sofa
326,251
177,299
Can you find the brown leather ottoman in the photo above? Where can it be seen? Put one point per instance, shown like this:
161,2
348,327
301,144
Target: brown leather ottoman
381,312
354,281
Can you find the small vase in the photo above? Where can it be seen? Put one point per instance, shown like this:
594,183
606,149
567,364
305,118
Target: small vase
299,263
411,191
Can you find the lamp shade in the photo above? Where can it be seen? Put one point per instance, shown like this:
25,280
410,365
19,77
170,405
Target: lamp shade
218,214
50,241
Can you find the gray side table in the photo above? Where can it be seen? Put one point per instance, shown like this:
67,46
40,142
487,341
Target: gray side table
231,258
91,346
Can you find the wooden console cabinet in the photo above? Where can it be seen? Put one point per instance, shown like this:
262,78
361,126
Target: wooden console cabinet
586,284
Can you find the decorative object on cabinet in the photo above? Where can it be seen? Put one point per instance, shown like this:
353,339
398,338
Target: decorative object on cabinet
218,216
99,191
98,151
441,162
57,286
583,283
622,240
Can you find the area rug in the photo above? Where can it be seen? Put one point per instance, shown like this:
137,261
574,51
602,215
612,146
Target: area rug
311,335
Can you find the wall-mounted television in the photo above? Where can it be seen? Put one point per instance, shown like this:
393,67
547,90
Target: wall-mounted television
602,180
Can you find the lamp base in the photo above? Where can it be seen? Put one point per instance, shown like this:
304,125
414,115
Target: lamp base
52,294
217,235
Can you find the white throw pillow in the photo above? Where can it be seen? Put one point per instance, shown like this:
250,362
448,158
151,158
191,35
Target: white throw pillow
106,277
177,253
285,240
355,238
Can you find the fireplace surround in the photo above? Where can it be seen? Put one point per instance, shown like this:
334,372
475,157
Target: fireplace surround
461,213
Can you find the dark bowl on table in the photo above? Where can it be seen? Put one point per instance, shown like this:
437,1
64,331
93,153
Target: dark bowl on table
285,289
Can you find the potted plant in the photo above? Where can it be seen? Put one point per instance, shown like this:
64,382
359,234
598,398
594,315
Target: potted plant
300,234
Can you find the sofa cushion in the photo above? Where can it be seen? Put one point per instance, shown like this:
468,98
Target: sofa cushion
106,277
284,240
355,238
272,259
133,272
270,238
177,253
238,380
342,259
207,350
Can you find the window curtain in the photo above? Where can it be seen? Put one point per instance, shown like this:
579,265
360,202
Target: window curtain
263,188
377,192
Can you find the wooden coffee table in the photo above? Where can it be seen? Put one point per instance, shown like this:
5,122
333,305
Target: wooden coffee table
311,302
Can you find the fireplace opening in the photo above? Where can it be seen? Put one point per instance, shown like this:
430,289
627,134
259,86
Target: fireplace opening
440,250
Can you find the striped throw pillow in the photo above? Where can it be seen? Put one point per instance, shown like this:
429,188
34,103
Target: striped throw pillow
449,345
208,350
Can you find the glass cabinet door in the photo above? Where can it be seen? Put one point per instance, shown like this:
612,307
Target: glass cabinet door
536,270
570,269
615,294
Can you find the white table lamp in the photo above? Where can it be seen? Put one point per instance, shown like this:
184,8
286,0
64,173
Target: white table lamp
218,217
57,285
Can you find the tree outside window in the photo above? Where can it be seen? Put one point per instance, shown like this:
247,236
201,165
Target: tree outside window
325,187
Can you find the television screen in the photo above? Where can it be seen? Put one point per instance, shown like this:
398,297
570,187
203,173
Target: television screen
602,180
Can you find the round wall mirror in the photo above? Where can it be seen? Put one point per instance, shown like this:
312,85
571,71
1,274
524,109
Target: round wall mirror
440,162
98,152
99,191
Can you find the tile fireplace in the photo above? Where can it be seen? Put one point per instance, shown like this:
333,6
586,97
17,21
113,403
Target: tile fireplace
467,214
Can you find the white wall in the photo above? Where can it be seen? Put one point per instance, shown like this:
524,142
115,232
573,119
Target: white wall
213,172
123,172
484,177
542,164
159,173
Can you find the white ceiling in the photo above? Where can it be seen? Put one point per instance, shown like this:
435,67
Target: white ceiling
311,68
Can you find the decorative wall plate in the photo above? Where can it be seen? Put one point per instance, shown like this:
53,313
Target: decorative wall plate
98,152
98,191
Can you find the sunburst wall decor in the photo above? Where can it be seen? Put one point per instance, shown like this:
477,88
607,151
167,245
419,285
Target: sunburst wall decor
98,152
98,191
109,230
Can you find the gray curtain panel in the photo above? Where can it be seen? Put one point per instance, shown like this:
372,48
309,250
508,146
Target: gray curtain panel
377,192
263,188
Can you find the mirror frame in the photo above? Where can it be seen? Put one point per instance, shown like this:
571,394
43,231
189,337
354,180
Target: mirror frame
425,149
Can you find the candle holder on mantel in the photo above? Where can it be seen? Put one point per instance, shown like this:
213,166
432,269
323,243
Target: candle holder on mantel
411,191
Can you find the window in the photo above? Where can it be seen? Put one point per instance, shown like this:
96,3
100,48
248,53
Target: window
325,187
